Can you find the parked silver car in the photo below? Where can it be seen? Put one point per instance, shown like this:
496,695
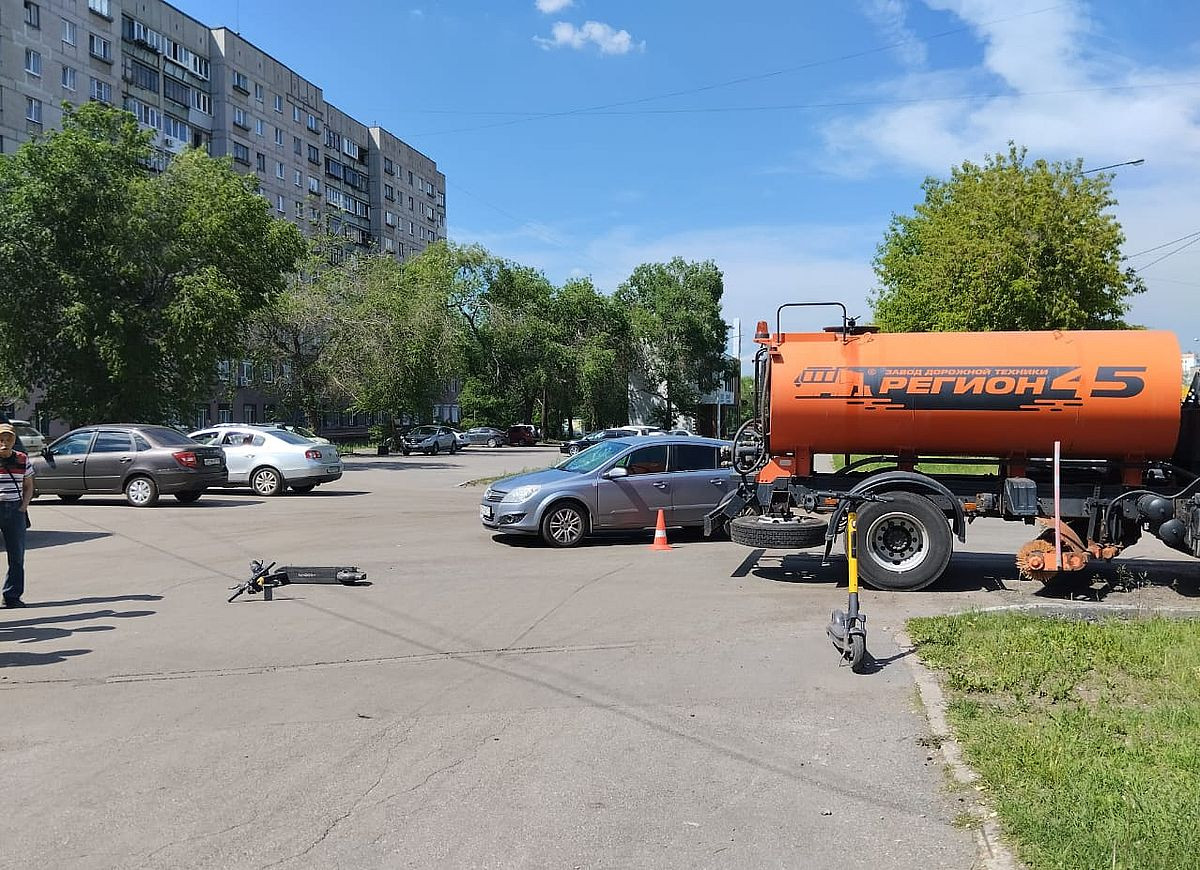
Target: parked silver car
619,483
33,440
270,459
430,440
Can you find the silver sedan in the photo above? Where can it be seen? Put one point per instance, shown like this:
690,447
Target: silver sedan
271,460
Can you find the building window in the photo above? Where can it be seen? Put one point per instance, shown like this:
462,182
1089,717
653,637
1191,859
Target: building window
278,103
388,166
313,123
314,185
241,153
411,207
68,78
223,413
202,102
299,209
296,114
177,92
299,178
297,146
258,92
241,82
100,47
279,170
100,7
33,62
174,128
33,110
240,119
279,137
389,218
314,154
140,75
68,32
258,127
411,229
147,115
260,162
389,193
279,203
33,14
101,91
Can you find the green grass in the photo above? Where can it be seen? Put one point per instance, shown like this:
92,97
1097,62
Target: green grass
1086,736
839,462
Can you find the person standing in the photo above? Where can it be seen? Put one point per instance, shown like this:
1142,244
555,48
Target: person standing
16,490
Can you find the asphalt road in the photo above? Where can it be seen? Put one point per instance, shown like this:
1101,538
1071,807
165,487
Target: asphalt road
481,704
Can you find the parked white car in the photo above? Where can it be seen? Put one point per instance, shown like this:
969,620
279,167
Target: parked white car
270,460
33,440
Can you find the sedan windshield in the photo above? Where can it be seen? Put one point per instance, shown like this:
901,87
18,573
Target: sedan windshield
592,458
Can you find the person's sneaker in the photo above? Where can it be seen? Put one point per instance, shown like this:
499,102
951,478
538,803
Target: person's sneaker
14,602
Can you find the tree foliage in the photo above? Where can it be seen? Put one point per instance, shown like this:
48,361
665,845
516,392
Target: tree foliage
125,287
678,333
1009,245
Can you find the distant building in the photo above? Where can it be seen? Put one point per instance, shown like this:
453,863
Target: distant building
1190,365
716,414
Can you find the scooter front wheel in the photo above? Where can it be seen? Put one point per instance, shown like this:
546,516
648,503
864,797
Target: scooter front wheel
857,652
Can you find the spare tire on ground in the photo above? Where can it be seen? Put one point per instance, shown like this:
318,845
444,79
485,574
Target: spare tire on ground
776,534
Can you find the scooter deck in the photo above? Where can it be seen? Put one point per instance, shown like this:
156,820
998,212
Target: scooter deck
347,575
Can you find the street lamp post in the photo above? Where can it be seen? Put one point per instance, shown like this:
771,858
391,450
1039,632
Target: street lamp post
1137,162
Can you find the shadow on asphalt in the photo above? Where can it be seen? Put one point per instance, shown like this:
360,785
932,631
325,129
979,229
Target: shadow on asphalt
50,628
36,539
94,599
211,500
993,572
638,538
398,465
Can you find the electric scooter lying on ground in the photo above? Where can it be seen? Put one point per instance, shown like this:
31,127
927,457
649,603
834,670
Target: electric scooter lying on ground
266,578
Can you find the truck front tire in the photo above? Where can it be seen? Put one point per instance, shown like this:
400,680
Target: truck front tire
903,544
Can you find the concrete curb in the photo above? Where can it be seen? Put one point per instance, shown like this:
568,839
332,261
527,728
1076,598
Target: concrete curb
1091,611
991,851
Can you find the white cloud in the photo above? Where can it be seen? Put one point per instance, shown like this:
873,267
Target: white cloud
889,17
549,7
606,38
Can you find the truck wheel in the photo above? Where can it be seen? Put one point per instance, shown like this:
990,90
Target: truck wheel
760,531
903,544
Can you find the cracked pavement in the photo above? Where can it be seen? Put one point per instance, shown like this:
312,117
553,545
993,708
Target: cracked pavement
480,704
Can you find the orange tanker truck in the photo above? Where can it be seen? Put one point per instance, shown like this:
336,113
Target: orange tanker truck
1129,449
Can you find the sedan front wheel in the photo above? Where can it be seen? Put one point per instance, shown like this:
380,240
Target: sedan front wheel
564,525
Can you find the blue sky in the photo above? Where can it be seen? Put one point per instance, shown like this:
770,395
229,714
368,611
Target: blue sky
776,138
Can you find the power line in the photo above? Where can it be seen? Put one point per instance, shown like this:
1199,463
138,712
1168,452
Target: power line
742,79
828,105
1168,254
1163,245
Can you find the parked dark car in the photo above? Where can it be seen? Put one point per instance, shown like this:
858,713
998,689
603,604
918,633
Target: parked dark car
141,461
573,447
489,435
522,435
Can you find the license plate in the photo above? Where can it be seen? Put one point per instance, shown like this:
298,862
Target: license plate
212,461
333,469
485,512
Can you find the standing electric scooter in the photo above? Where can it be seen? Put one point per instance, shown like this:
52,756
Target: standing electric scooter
848,629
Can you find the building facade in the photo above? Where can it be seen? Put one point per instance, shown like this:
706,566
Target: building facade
208,87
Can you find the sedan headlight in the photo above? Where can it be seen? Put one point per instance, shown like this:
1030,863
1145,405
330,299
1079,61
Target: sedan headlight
520,494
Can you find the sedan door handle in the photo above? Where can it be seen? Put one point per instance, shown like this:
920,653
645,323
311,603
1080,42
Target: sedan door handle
77,462
127,459
659,485
718,481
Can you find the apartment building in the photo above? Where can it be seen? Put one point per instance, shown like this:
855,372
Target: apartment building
208,87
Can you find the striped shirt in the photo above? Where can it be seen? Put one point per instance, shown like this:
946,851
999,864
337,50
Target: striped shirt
12,472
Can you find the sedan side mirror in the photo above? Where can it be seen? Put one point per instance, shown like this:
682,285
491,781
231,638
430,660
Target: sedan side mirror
616,473
47,453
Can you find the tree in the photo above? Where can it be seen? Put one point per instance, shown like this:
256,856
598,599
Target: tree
123,287
678,333
1010,245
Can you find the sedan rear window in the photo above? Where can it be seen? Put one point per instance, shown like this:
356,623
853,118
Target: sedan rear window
289,437
164,437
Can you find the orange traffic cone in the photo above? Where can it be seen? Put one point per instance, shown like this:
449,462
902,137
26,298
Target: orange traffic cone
660,534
